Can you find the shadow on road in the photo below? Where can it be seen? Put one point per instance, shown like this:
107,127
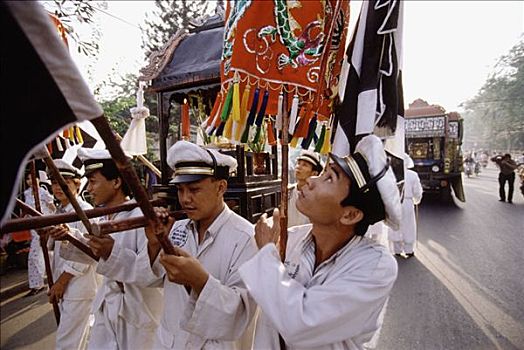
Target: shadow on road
26,321
432,325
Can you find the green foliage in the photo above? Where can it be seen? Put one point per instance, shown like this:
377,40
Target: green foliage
75,13
169,17
494,118
258,143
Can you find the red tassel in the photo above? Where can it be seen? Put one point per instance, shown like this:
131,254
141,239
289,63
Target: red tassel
271,139
185,121
303,127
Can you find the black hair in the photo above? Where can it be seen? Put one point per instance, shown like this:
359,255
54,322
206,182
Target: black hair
368,201
110,172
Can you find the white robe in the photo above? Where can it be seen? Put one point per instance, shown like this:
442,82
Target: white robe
295,217
79,293
218,318
335,306
35,259
407,232
128,319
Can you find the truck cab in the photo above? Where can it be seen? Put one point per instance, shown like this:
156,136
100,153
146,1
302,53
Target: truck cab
434,139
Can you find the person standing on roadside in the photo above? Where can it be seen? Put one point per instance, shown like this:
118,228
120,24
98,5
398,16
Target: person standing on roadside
507,168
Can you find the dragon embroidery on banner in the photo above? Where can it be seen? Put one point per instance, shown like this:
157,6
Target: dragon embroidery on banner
302,50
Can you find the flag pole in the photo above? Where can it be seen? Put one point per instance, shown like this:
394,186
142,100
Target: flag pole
129,175
43,241
285,176
81,246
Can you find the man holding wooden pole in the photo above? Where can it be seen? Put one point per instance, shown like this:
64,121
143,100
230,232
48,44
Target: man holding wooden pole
206,305
334,282
75,283
127,306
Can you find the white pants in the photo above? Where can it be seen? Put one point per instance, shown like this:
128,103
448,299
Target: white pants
74,324
35,263
111,331
399,246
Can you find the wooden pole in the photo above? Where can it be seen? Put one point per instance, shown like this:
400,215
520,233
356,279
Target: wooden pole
143,159
43,242
129,175
56,219
112,226
285,180
84,248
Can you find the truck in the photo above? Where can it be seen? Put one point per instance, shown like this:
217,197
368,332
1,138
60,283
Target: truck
433,140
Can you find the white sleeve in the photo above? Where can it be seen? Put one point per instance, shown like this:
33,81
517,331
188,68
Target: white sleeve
77,268
222,311
71,253
321,314
128,265
417,190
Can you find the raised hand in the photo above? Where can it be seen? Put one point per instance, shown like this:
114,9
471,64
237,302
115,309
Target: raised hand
166,222
102,246
267,230
185,269
57,232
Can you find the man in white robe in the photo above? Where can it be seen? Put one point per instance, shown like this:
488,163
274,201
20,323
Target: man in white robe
128,304
403,239
331,289
308,164
206,304
75,283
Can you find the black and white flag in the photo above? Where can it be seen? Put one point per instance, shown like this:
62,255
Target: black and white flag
42,91
373,93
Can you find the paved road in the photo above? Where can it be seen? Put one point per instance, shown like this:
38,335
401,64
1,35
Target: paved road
27,323
463,290
465,287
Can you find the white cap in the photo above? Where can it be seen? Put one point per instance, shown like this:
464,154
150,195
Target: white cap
312,158
192,162
67,169
369,153
95,159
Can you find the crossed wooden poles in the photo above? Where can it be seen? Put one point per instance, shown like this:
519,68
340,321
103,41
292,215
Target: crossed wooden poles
129,175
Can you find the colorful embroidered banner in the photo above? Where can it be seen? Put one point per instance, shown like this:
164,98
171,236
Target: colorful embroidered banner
275,45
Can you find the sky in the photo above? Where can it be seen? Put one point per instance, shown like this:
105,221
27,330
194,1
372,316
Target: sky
449,47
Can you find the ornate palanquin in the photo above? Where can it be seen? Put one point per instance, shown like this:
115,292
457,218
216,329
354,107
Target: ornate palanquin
188,68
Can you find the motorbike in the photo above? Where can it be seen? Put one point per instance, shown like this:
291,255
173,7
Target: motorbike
468,169
477,168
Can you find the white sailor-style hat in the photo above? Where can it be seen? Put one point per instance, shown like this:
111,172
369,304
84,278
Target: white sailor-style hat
191,162
96,159
312,158
373,184
66,170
